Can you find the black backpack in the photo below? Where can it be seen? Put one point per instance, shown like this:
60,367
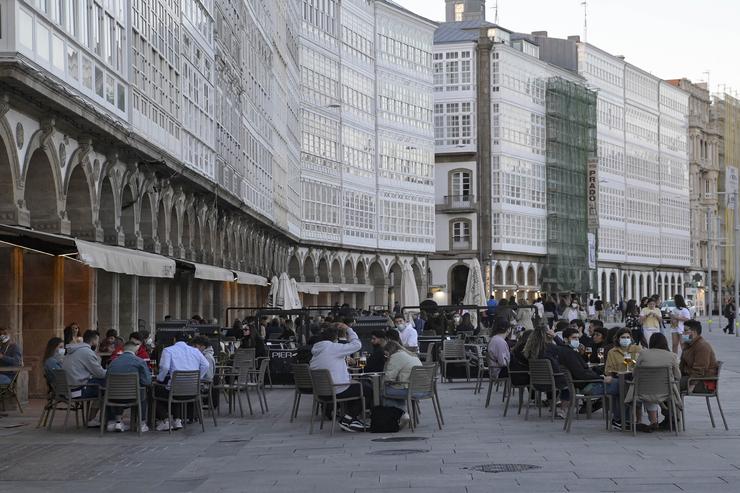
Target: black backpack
384,419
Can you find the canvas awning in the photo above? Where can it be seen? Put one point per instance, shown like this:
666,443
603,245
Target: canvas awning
324,287
208,272
251,279
124,260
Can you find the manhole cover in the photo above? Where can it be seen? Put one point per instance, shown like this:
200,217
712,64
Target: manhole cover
494,468
399,451
399,439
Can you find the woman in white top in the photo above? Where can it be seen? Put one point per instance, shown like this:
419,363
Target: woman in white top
650,318
679,315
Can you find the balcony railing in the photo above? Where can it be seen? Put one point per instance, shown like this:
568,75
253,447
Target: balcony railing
459,202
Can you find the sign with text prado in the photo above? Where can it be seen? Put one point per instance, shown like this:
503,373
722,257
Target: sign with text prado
592,194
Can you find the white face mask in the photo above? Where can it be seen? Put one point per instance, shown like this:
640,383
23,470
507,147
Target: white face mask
400,327
574,305
60,352
575,343
4,339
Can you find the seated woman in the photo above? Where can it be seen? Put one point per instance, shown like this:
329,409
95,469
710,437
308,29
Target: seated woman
658,354
618,361
397,374
540,346
518,363
466,325
53,355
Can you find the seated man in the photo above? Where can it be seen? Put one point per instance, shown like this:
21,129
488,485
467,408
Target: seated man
10,355
138,340
83,370
409,336
202,344
128,362
330,355
178,357
111,342
697,358
498,354
376,360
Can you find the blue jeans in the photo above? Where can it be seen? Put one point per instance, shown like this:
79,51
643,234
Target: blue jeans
393,396
611,389
5,379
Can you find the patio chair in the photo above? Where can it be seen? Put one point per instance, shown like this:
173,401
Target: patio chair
588,399
453,353
324,392
10,390
303,386
656,380
184,389
122,390
421,386
256,381
707,394
231,382
510,387
62,395
206,395
245,357
542,376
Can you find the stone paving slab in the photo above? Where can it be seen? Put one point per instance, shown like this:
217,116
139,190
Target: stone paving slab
268,453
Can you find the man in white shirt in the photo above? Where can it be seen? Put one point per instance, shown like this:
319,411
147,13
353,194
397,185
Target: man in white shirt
178,357
409,336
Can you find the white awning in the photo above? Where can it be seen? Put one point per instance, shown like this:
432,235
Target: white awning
124,260
252,279
212,273
323,287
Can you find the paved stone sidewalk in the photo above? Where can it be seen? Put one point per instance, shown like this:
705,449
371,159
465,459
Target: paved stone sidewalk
267,453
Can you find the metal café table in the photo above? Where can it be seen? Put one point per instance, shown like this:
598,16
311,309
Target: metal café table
376,379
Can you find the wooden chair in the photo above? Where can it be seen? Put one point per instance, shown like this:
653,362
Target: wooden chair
707,394
324,392
122,390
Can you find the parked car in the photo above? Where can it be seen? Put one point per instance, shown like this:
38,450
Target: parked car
669,305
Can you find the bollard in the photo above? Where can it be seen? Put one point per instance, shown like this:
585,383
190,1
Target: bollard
737,327
709,323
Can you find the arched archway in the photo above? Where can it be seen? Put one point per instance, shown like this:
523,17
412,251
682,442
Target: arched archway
640,287
613,295
128,216
107,212
349,272
458,282
79,205
378,280
419,280
498,275
360,272
679,289
294,268
162,240
41,193
175,234
603,287
146,222
509,280
394,284
309,269
8,184
323,270
520,275
531,277
336,271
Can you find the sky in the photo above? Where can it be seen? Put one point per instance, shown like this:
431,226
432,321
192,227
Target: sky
669,38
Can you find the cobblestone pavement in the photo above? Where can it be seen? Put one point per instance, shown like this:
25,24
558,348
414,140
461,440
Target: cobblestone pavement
267,453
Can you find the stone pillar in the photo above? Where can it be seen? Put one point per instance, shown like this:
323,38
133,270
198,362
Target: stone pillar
128,301
606,295
108,298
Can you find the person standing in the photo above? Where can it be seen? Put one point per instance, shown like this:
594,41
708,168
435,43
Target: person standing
409,336
650,318
729,313
679,315
599,307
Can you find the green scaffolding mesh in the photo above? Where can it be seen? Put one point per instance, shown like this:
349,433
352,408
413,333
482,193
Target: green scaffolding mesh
571,142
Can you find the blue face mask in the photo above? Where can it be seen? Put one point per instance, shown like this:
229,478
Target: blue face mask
624,342
575,343
686,338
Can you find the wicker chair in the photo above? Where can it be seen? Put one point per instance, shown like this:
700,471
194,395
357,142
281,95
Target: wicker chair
707,394
651,381
324,392
541,376
453,352
122,390
62,395
421,386
184,389
303,386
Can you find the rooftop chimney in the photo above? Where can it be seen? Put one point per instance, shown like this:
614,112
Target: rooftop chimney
575,38
542,34
465,10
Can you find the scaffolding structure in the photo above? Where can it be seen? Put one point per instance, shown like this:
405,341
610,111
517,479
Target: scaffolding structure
571,142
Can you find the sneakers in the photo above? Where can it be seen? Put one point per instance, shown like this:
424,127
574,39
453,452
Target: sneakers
144,428
177,424
111,426
357,425
94,423
163,425
617,425
404,421
345,423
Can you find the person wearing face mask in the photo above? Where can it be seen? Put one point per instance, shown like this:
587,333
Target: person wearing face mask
571,312
84,370
53,356
697,357
129,362
615,362
408,335
10,355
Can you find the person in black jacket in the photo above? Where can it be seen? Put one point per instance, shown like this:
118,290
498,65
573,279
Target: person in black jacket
376,360
540,346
